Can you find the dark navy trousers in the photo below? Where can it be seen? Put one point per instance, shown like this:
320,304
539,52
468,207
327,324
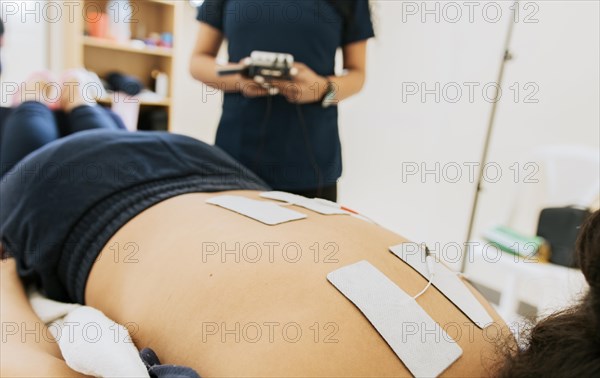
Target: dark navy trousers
32,125
61,203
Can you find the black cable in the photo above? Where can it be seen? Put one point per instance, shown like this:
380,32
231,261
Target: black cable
263,132
307,143
309,151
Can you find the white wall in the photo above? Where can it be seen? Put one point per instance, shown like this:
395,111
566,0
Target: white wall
196,108
383,133
25,43
559,54
384,129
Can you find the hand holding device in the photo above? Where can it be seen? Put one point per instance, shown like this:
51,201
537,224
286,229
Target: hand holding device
268,65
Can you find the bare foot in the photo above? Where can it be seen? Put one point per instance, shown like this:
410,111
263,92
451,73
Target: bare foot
39,87
79,87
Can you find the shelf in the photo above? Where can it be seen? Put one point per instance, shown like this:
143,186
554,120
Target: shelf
105,55
166,102
112,45
163,2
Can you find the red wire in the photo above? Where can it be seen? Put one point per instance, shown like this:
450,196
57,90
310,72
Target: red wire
349,210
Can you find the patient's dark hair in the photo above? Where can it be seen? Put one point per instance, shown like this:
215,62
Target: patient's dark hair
566,344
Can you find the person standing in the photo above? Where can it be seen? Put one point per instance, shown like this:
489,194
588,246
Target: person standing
287,132
1,39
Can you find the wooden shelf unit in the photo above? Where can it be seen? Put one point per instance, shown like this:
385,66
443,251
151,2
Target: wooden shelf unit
143,102
104,43
104,55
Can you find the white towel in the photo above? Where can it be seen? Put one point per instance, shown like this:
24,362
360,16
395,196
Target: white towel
90,342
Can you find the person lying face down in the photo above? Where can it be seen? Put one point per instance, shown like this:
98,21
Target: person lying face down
167,279
138,241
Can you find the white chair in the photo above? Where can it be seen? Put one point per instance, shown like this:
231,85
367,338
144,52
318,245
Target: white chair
568,175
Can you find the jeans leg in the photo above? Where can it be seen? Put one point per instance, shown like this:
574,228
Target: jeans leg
87,117
116,118
27,128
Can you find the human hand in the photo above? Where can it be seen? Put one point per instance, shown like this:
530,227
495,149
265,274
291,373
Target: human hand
304,87
251,88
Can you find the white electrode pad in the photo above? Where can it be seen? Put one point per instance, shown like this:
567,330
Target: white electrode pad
263,211
446,281
422,345
308,203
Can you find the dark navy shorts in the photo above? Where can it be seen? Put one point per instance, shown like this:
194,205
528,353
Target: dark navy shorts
61,204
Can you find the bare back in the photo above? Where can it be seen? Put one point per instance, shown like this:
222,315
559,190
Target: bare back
229,296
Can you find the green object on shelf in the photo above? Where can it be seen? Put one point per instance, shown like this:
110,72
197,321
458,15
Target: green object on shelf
513,242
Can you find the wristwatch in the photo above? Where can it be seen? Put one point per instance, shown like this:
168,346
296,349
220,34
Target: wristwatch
329,97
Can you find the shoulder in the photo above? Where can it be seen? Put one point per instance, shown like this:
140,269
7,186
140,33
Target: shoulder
211,13
358,24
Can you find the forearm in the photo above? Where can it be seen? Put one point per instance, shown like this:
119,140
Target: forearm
204,68
355,65
348,84
27,348
307,86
